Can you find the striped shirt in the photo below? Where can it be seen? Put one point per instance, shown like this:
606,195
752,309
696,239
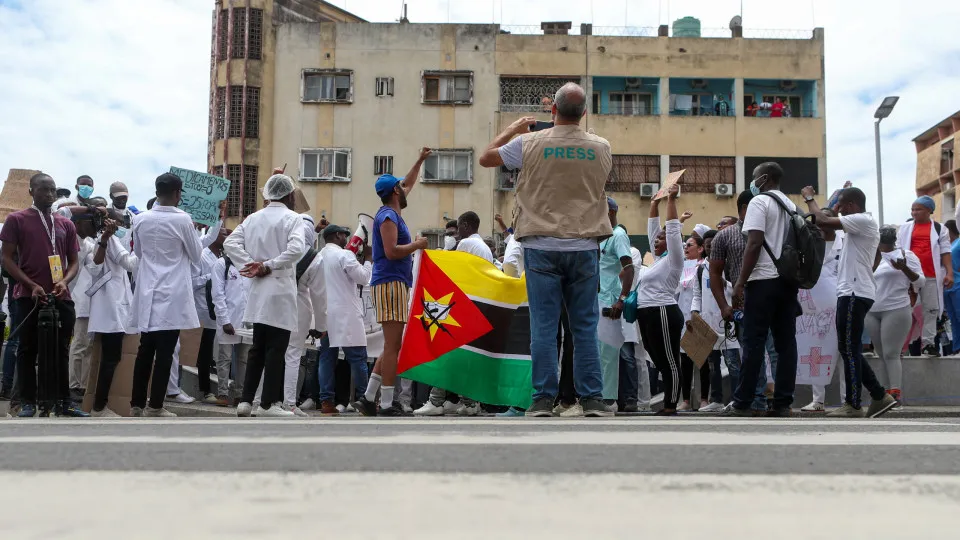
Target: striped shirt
728,246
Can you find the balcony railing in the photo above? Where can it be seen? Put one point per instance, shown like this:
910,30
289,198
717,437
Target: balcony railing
630,110
703,111
652,31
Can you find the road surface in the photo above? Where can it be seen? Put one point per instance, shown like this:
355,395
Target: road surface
480,478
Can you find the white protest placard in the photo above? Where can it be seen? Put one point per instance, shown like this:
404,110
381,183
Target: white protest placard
202,195
817,349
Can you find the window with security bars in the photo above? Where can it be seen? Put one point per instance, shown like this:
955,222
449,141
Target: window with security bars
235,127
382,164
325,164
252,113
630,103
238,45
384,86
507,179
703,173
217,171
220,113
530,94
255,35
222,34
250,174
234,173
440,87
449,166
629,171
328,86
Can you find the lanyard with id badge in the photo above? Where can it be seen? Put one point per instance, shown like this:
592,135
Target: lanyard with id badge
56,264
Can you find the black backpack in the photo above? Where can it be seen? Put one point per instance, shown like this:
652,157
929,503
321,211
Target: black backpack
305,261
209,287
801,258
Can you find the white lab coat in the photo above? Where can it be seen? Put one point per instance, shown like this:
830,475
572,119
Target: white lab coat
705,303
229,290
110,304
165,242
81,282
939,245
200,274
273,236
342,274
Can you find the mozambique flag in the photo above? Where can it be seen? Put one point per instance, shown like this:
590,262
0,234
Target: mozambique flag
469,330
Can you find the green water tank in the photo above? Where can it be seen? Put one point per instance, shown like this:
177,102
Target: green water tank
686,27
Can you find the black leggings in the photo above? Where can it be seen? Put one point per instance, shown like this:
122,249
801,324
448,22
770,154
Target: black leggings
208,340
111,349
660,328
687,367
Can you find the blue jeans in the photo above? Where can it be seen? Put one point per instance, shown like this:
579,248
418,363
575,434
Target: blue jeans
570,279
760,396
951,305
732,359
629,376
770,307
355,356
10,354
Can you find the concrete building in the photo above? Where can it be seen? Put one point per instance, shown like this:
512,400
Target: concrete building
340,101
938,170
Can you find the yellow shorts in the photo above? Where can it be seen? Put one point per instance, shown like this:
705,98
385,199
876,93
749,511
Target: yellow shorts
392,301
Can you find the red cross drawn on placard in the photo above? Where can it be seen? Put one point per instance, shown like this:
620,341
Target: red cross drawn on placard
815,360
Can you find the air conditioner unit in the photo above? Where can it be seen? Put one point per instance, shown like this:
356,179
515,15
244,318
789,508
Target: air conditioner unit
788,86
647,191
698,83
633,82
723,190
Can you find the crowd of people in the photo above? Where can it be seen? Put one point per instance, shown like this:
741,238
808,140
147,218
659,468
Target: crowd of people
605,328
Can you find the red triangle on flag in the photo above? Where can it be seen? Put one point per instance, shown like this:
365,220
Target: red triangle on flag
442,318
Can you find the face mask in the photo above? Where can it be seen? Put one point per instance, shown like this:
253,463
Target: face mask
85,191
448,243
755,187
121,232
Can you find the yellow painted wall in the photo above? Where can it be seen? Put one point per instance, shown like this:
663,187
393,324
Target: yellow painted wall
928,166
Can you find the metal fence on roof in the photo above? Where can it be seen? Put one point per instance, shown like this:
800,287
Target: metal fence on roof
651,31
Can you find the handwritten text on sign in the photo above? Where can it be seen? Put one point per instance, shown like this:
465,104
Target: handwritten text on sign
202,194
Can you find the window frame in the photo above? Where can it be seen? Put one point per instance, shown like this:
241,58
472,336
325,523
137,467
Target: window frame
388,83
637,99
438,153
444,79
333,178
378,161
313,72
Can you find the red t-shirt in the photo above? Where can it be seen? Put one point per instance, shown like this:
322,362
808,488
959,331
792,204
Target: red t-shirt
920,246
24,229
776,110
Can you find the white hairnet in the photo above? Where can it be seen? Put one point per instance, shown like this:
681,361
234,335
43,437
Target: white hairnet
278,186
309,231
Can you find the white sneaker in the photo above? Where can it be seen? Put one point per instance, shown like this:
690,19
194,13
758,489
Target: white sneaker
136,412
559,408
684,406
181,398
572,411
712,407
450,408
295,410
468,410
275,411
105,413
244,409
406,408
341,408
703,403
349,408
150,412
210,399
429,409
308,405
813,406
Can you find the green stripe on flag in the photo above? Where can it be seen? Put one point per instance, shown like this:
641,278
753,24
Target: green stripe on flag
487,379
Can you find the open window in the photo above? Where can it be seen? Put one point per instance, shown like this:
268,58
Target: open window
325,164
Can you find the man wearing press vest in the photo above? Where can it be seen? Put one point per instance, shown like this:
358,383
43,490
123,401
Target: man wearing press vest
45,247
561,216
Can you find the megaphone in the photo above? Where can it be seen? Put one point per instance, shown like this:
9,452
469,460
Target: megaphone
361,236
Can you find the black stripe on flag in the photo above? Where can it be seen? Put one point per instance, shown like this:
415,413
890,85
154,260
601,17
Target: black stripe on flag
511,330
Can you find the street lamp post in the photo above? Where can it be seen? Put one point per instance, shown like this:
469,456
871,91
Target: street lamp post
883,111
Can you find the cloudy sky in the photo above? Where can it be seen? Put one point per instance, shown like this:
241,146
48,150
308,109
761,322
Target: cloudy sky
117,89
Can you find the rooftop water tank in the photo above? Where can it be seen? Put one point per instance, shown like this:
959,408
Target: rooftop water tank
686,27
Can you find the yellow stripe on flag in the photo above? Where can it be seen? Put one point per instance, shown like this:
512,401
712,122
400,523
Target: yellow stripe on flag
479,279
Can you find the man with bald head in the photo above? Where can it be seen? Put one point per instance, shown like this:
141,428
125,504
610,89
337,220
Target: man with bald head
561,217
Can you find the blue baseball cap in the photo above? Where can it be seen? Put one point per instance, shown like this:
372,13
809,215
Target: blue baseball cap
612,204
386,183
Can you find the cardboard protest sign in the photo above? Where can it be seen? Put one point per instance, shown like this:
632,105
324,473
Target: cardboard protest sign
16,192
121,389
202,194
698,341
301,206
672,179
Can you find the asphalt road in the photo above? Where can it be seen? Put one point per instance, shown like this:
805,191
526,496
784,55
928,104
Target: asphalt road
480,478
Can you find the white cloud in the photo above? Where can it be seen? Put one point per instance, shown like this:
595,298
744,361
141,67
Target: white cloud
119,89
